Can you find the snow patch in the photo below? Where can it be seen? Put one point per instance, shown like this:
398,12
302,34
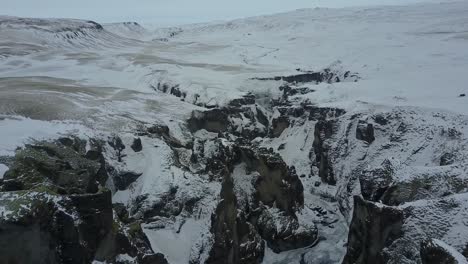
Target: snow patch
16,131
3,169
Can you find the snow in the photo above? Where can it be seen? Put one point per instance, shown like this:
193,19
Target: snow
411,62
174,237
215,61
3,169
124,257
16,131
243,184
176,245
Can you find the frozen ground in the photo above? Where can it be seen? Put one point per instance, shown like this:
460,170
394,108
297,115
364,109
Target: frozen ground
69,76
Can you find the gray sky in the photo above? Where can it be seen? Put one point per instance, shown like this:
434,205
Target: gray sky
168,12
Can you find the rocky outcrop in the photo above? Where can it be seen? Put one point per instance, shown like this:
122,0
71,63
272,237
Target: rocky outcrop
327,75
239,228
59,212
123,179
214,120
447,159
241,223
170,89
392,185
235,239
373,228
284,232
407,234
277,185
278,125
365,131
248,121
163,132
323,131
375,182
136,145
55,166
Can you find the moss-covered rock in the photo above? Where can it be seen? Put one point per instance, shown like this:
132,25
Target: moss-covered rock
54,209
63,167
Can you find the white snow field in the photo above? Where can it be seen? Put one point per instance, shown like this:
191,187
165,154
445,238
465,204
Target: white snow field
64,76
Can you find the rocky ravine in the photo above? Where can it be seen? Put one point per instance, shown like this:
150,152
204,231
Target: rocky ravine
56,197
185,172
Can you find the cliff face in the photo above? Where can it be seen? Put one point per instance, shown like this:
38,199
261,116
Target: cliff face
372,228
55,206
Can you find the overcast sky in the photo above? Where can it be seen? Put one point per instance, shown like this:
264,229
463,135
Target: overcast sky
167,12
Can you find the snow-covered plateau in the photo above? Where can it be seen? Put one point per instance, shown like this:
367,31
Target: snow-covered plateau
315,136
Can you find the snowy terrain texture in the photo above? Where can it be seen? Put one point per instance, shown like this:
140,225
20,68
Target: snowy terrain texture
313,136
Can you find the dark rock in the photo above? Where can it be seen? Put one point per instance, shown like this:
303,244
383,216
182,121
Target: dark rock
66,141
166,88
96,217
291,111
163,132
248,99
93,154
372,228
9,184
261,117
27,239
324,113
76,227
365,131
61,168
158,130
277,183
122,213
117,144
381,120
247,122
235,240
124,179
447,159
166,206
309,76
48,233
375,182
279,125
214,120
290,91
235,231
136,145
175,90
432,253
283,232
